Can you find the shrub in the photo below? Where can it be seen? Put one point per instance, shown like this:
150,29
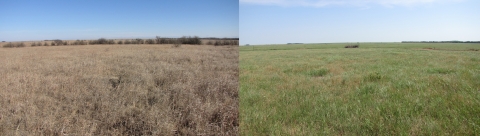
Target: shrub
20,44
133,42
120,42
79,42
45,44
472,49
376,76
12,45
139,41
182,40
190,40
58,42
223,42
149,41
111,42
128,42
161,40
317,73
217,43
352,46
9,45
232,42
92,42
102,41
209,43
37,44
177,44
171,41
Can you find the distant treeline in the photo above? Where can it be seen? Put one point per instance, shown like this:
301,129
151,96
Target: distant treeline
192,40
215,38
440,41
204,38
294,43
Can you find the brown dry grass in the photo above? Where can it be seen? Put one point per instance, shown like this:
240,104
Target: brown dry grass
119,90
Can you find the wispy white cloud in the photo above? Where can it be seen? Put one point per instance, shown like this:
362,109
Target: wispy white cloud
323,3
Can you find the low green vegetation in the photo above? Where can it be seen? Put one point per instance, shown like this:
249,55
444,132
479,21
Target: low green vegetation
376,89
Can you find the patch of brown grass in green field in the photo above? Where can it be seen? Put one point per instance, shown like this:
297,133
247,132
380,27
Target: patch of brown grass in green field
119,90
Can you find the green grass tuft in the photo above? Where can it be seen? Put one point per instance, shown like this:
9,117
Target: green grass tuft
318,72
440,71
372,77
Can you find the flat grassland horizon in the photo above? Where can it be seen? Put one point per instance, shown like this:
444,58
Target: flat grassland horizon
119,90
376,89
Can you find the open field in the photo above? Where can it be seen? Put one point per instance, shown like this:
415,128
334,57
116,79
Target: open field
377,89
119,90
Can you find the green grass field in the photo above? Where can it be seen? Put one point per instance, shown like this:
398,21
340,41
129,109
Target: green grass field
377,89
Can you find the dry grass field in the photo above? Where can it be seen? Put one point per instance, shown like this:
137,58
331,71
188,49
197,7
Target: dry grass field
119,90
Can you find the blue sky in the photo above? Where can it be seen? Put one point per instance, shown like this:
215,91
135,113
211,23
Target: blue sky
322,21
93,19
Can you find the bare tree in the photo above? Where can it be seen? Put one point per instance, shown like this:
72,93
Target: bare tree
58,42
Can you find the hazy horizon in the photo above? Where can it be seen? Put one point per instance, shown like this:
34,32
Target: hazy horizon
116,38
299,43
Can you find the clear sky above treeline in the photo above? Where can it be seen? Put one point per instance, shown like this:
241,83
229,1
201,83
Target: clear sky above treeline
321,21
92,19
253,21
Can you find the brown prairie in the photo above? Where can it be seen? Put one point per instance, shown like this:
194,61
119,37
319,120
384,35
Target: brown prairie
119,90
